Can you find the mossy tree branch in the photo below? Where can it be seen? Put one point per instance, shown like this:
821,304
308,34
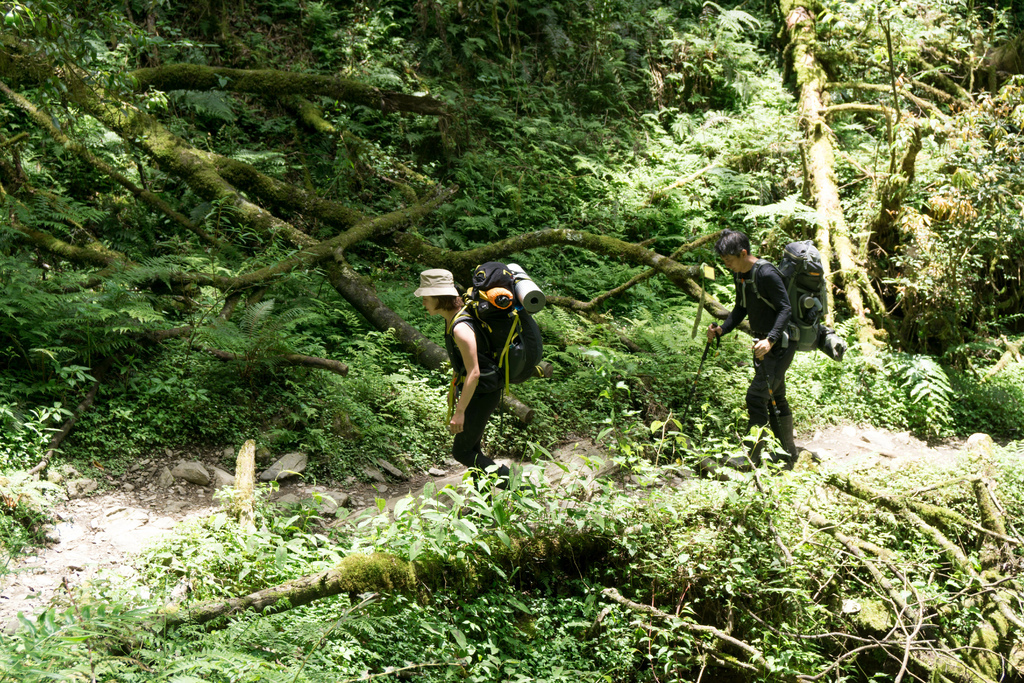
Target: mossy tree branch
272,83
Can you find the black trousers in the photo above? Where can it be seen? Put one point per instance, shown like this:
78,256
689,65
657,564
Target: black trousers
466,446
773,367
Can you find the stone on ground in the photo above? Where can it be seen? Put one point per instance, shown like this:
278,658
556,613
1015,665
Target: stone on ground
192,472
289,465
980,444
222,478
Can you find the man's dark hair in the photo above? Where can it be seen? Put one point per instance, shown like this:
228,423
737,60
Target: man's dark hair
732,242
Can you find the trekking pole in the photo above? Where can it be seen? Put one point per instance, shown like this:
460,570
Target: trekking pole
693,387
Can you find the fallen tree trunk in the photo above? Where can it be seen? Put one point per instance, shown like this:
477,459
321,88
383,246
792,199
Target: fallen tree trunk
274,84
991,593
528,558
355,574
833,235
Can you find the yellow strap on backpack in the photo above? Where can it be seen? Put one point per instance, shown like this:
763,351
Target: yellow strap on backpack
503,358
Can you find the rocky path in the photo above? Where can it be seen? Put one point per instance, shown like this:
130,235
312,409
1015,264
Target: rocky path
99,532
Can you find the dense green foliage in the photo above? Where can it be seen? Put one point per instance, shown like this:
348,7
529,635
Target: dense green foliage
568,114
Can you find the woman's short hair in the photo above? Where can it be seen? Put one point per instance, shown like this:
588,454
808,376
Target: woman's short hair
448,303
732,242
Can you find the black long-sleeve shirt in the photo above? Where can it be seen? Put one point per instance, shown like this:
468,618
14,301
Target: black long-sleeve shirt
767,320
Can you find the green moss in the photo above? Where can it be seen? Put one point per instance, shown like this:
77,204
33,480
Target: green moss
378,572
873,616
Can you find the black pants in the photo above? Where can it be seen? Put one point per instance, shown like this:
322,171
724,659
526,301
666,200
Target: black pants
466,446
774,366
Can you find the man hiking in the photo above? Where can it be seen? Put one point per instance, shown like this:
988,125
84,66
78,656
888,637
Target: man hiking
769,320
477,384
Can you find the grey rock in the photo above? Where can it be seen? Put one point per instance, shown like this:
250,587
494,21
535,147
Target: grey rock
175,506
324,504
51,535
128,487
288,499
54,477
222,478
229,452
263,455
79,488
435,472
289,465
192,472
330,501
374,474
166,479
168,452
12,627
392,470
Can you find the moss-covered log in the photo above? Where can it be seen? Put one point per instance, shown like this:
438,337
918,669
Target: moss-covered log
528,558
833,235
45,122
462,263
273,83
355,574
993,594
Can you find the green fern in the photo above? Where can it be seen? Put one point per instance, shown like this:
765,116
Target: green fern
790,207
929,392
260,337
213,103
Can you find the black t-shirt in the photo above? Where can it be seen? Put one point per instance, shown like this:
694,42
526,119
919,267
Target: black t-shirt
768,319
490,378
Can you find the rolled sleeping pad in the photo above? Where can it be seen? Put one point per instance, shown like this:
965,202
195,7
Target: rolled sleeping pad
527,291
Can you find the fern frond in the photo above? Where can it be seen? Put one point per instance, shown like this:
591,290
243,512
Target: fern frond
790,207
255,317
213,103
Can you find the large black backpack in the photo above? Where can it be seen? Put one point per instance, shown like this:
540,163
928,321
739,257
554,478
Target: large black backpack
804,277
510,334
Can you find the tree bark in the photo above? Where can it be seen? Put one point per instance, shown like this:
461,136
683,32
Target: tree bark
378,572
833,236
1008,59
274,84
245,485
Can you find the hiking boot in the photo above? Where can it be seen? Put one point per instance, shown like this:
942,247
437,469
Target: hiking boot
785,437
543,370
753,456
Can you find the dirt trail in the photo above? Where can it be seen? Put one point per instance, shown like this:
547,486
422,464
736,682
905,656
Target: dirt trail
100,533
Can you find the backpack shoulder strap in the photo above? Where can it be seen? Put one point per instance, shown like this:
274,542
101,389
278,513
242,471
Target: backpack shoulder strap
463,316
761,263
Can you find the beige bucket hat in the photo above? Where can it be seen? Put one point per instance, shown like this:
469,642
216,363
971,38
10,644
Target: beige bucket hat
436,282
